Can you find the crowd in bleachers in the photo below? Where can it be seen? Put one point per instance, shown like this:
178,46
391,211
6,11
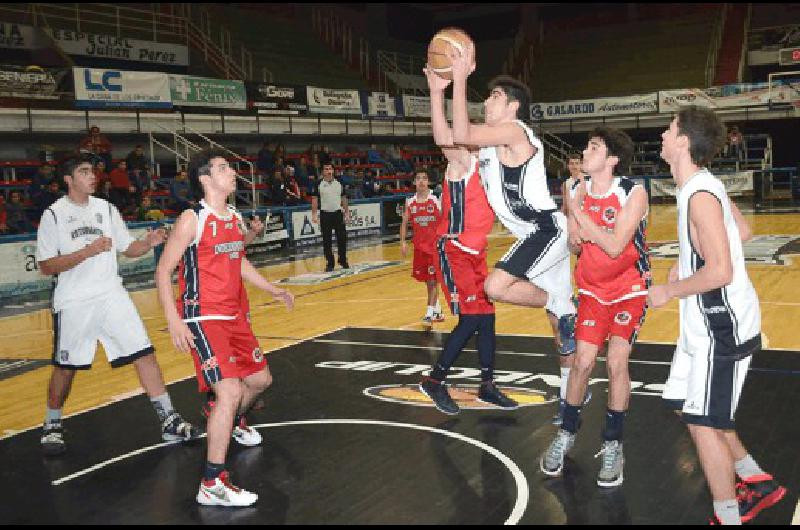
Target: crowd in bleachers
282,179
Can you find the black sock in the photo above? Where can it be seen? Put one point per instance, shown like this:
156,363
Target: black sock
212,471
467,325
487,343
614,422
572,418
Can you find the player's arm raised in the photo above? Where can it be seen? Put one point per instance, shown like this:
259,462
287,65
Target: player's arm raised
442,134
614,242
250,274
711,242
181,236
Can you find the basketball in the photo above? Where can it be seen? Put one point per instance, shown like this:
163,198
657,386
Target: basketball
439,48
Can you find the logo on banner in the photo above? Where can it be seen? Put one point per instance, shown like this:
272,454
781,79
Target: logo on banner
106,83
536,112
766,250
308,228
272,91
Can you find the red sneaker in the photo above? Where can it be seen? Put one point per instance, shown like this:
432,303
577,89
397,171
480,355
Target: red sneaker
757,493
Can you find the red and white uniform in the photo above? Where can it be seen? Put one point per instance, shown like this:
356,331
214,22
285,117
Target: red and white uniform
467,220
424,216
213,302
613,291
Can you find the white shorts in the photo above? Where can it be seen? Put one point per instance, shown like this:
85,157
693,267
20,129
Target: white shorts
706,388
543,259
112,319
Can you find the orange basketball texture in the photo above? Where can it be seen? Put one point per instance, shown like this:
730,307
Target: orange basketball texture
439,48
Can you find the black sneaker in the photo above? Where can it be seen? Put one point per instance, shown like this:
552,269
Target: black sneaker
344,265
53,439
757,493
440,396
176,429
489,393
329,268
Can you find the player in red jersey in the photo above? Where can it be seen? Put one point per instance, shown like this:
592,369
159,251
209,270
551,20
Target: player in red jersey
607,224
424,212
207,319
466,222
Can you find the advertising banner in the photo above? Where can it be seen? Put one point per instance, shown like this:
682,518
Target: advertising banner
271,98
378,105
365,219
22,37
420,107
333,101
589,108
118,88
30,83
120,48
735,184
275,235
189,91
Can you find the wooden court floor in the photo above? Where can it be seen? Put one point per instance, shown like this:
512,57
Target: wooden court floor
385,298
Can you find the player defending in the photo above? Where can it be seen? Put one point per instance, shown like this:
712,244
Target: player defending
720,318
467,220
78,240
608,217
208,318
535,271
424,211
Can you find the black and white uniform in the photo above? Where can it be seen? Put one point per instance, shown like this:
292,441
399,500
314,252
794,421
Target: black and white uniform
89,301
521,200
720,329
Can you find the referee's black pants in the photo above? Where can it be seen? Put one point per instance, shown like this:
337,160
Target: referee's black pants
330,221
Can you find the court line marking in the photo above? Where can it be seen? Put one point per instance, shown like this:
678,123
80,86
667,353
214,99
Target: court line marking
523,490
113,401
796,518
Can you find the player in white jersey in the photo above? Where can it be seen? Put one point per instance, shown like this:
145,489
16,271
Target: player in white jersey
78,240
720,321
535,271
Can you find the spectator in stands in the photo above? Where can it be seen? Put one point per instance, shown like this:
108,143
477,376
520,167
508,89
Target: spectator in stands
278,165
104,190
735,145
148,212
315,167
136,159
370,185
97,144
325,156
123,194
180,191
374,156
277,188
141,179
16,218
280,152
46,197
301,171
266,159
293,196
41,180
100,173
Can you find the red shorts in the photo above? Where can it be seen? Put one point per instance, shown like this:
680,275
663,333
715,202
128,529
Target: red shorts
225,349
597,322
461,276
424,267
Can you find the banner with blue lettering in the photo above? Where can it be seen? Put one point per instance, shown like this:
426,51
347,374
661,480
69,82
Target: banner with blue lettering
117,88
588,108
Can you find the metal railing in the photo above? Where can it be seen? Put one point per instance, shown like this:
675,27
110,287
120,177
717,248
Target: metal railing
716,44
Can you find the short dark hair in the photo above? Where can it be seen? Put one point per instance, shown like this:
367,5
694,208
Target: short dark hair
516,90
327,164
706,132
618,144
574,155
200,164
68,166
424,172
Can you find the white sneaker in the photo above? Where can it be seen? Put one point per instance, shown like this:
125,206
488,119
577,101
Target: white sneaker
246,435
220,492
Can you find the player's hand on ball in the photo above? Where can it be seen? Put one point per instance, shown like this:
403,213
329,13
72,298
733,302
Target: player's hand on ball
182,336
436,83
463,63
658,296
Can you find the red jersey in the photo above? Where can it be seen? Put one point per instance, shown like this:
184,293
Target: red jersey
210,274
607,279
424,216
466,212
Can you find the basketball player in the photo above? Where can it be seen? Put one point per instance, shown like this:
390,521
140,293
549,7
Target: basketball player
608,217
209,241
566,361
77,243
424,211
466,222
719,315
535,271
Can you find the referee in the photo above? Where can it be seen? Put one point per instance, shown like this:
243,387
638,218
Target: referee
330,198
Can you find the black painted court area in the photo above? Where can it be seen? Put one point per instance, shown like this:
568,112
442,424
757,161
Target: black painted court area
338,473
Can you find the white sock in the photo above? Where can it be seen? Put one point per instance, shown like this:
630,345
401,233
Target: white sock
564,381
747,467
728,512
52,416
429,313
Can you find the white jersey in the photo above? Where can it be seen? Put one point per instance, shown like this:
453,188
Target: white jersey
725,322
519,196
66,228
